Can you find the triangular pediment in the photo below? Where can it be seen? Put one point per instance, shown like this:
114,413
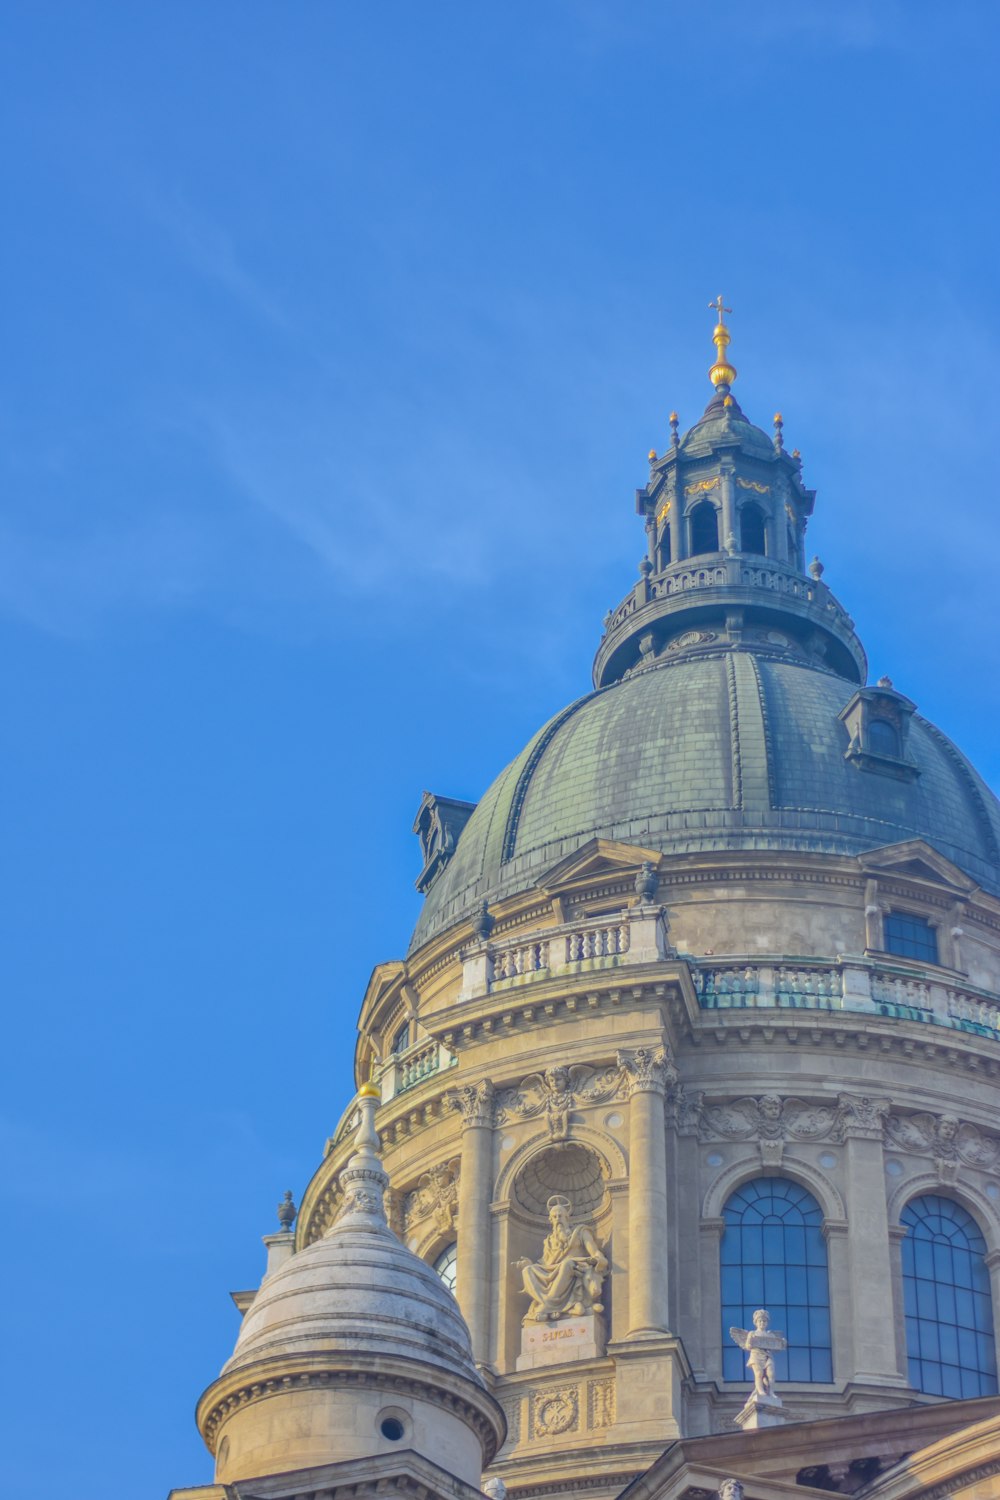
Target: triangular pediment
386,980
918,860
596,857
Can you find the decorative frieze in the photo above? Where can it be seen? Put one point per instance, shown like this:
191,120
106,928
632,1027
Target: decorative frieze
555,1093
771,1120
945,1138
435,1197
600,1403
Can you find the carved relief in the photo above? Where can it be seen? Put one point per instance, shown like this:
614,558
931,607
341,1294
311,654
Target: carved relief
601,1403
946,1138
512,1411
647,1069
556,1093
435,1197
684,1109
768,1118
555,1412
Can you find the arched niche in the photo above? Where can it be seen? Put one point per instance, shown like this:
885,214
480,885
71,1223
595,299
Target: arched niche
590,1169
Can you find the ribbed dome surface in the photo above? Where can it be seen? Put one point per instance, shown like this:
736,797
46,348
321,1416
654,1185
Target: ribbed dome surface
360,1291
731,749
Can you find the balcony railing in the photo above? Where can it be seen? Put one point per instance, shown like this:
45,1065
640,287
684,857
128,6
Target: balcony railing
849,985
636,936
406,1069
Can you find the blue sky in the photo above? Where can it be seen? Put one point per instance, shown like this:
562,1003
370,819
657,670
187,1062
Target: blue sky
335,337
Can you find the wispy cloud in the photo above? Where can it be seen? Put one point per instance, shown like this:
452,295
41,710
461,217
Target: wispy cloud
210,250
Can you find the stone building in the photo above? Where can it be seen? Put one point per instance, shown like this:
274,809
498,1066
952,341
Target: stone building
687,1085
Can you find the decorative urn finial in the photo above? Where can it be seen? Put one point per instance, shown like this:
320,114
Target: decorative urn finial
287,1211
722,374
779,423
674,421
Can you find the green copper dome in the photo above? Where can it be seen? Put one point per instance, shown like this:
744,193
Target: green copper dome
730,748
730,709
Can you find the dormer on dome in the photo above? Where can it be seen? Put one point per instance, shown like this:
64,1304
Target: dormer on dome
726,512
877,720
438,824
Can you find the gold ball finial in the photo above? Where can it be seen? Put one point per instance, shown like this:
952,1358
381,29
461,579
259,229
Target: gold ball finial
370,1090
674,418
651,455
722,372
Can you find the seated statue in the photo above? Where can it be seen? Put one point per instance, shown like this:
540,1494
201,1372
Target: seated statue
567,1281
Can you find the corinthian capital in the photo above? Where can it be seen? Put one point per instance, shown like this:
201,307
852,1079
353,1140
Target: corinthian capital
861,1115
475,1101
647,1070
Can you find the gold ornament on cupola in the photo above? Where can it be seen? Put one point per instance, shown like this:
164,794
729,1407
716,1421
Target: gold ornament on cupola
722,374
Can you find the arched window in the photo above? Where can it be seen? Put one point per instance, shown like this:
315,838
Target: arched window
704,528
446,1266
950,1344
401,1040
883,737
665,553
753,530
773,1255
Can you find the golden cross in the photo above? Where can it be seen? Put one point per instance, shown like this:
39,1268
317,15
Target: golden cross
718,308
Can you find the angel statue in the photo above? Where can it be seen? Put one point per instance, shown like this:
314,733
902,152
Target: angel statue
567,1281
760,1344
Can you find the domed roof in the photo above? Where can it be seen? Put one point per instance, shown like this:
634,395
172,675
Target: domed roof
714,746
357,1290
726,426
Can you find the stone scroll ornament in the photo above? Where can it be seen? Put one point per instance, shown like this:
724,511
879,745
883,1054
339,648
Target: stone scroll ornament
760,1343
555,1093
568,1280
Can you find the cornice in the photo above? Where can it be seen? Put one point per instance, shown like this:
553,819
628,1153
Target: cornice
285,1375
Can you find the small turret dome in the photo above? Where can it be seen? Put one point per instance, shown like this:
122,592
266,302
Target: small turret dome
360,1291
352,1347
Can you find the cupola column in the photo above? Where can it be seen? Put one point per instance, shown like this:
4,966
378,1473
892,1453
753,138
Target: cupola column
727,520
475,1190
648,1070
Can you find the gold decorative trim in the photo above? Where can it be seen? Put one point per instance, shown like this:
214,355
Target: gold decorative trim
751,484
701,485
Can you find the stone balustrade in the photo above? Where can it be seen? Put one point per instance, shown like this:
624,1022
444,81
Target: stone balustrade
406,1069
635,936
849,985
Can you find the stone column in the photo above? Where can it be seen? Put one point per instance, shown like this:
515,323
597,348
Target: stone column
872,1312
648,1071
728,519
475,1192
